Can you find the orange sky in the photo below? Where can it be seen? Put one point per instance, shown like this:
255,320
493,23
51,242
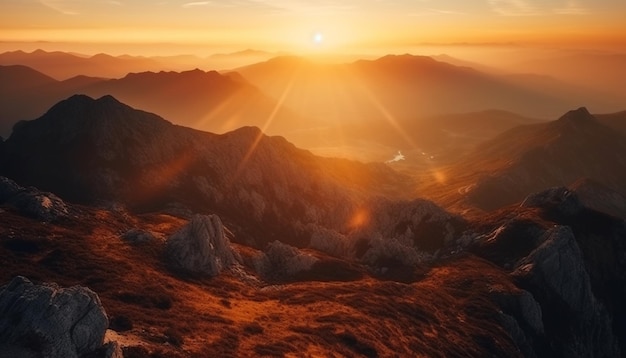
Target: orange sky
142,27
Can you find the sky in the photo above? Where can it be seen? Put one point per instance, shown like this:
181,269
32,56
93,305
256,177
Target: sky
313,25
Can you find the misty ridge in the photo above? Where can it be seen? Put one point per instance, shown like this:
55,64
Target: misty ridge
265,204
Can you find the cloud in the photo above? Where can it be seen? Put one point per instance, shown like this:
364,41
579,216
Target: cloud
512,7
430,12
572,8
536,7
76,7
64,7
196,3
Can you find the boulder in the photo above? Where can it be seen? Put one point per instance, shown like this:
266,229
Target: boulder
419,223
558,201
327,241
280,261
137,236
31,201
39,205
50,321
383,252
8,189
201,247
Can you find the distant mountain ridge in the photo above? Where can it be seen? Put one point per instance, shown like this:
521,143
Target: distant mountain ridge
204,100
63,65
527,159
405,86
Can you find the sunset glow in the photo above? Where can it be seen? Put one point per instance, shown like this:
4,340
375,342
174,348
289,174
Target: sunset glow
276,25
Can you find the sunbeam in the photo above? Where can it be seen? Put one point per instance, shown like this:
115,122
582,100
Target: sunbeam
266,125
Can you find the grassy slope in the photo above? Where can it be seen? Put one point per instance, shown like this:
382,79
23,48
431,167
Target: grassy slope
446,313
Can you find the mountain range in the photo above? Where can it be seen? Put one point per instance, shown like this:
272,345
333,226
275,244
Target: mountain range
325,256
404,87
91,151
204,100
365,110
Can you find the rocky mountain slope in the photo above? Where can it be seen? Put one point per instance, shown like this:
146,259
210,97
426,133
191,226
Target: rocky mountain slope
526,159
92,151
541,280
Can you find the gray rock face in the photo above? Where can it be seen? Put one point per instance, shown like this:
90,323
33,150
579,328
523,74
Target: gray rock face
136,236
558,266
49,321
201,247
31,202
283,261
8,189
559,200
419,223
555,273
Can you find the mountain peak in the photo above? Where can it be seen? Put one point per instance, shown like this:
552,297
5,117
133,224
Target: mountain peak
580,115
79,107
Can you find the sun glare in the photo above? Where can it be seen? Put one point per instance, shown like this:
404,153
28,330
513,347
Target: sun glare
318,38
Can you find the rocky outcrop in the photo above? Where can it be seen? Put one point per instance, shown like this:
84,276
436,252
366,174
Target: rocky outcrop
419,223
521,316
281,261
31,202
328,241
137,237
8,189
49,321
597,196
201,247
557,201
577,323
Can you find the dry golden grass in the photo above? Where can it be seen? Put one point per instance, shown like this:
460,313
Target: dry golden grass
448,312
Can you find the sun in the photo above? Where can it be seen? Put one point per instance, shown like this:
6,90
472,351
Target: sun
318,38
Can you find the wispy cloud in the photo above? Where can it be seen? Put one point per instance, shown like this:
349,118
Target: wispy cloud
430,12
77,7
196,3
63,7
572,8
537,7
513,7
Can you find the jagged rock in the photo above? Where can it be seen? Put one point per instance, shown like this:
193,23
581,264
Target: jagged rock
39,205
49,321
113,350
327,241
521,316
597,196
418,223
137,236
201,247
557,265
382,252
509,242
557,201
32,202
283,261
555,273
8,189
